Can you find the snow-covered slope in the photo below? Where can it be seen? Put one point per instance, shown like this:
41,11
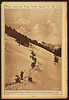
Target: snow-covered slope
46,75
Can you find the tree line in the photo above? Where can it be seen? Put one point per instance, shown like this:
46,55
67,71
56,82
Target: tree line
24,40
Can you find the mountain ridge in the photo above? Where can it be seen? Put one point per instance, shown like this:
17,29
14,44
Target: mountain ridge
24,40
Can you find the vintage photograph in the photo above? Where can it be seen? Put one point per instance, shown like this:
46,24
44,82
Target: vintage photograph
33,47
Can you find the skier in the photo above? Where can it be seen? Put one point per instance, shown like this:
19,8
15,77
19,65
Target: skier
30,79
21,75
33,64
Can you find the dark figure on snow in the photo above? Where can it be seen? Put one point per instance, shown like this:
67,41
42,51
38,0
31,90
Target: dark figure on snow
33,53
33,64
33,58
30,79
21,75
17,80
55,59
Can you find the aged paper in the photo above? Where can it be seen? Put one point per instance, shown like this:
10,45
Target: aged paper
33,50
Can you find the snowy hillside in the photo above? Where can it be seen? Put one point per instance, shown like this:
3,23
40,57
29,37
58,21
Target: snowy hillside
45,75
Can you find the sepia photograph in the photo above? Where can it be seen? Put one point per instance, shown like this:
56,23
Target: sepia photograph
34,40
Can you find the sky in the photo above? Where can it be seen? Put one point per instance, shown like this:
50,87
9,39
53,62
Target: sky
48,20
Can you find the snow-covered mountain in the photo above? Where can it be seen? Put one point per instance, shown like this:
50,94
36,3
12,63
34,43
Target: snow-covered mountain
21,21
45,31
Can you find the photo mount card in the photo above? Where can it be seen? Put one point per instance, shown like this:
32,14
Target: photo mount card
33,50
